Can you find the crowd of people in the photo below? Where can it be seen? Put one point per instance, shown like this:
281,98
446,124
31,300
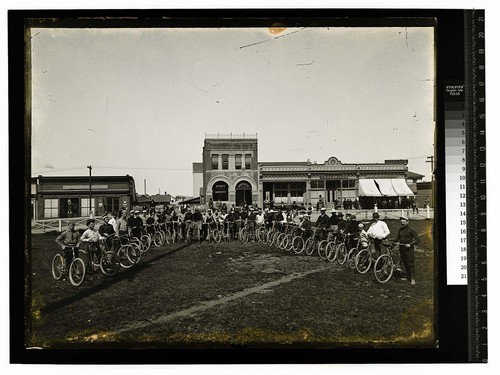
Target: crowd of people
234,218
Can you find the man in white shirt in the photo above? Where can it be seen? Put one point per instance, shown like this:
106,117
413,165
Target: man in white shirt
260,219
378,231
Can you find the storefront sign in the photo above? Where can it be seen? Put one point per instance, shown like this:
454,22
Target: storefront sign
84,187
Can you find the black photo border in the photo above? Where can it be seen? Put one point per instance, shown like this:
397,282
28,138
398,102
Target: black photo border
451,301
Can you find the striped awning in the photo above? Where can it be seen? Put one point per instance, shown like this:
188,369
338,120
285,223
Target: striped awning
401,187
367,188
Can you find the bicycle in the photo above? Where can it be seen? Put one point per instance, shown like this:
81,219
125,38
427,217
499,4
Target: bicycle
365,258
351,255
227,233
298,241
322,246
285,239
387,263
312,242
76,269
109,263
342,246
129,253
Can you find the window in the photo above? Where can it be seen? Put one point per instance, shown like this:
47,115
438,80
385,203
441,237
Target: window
220,191
348,184
215,161
297,189
85,206
112,204
51,208
237,161
280,190
225,161
318,184
248,161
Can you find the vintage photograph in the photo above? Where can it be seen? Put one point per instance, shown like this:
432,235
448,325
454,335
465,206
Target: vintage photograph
241,186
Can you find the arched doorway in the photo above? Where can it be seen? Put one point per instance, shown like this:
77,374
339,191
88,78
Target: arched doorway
243,193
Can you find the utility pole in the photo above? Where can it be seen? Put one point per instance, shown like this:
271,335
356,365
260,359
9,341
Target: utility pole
431,160
90,190
144,186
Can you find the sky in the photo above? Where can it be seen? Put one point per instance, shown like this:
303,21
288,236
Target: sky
139,101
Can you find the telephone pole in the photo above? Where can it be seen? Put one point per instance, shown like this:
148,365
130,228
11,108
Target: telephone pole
90,190
430,159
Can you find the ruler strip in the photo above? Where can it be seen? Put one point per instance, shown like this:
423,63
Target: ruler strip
476,184
456,189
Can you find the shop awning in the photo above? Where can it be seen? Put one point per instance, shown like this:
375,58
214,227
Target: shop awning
386,188
401,187
367,188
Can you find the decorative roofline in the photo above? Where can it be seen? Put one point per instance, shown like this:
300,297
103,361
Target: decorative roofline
252,136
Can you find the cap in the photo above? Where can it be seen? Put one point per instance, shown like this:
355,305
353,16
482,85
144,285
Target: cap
136,211
323,209
404,218
340,214
333,211
360,225
376,214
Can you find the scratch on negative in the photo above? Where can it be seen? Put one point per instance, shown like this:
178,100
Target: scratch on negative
268,40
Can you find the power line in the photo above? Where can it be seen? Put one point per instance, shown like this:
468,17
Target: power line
147,168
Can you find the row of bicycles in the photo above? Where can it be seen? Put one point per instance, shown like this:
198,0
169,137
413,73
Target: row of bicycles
107,255
342,248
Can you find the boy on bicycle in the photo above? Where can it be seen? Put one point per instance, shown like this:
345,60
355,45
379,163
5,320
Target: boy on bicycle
92,237
70,239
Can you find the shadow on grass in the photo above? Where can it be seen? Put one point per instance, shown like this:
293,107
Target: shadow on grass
124,274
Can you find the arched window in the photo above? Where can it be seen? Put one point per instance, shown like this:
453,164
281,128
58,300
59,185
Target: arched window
220,191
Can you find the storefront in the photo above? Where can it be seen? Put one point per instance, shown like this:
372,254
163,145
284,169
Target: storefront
230,173
334,184
76,196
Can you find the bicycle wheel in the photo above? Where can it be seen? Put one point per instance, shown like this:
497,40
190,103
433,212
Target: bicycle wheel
384,267
168,237
262,234
109,263
331,251
298,244
322,249
275,239
351,257
341,253
269,238
123,258
309,246
244,235
58,267
287,243
76,271
134,252
217,235
363,261
146,242
157,240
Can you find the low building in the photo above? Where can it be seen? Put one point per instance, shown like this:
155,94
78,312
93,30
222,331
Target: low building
74,196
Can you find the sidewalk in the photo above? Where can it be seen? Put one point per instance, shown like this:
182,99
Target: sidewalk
393,214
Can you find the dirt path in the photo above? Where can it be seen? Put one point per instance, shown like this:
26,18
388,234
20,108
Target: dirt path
216,302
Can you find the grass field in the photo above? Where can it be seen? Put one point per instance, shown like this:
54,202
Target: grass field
232,294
